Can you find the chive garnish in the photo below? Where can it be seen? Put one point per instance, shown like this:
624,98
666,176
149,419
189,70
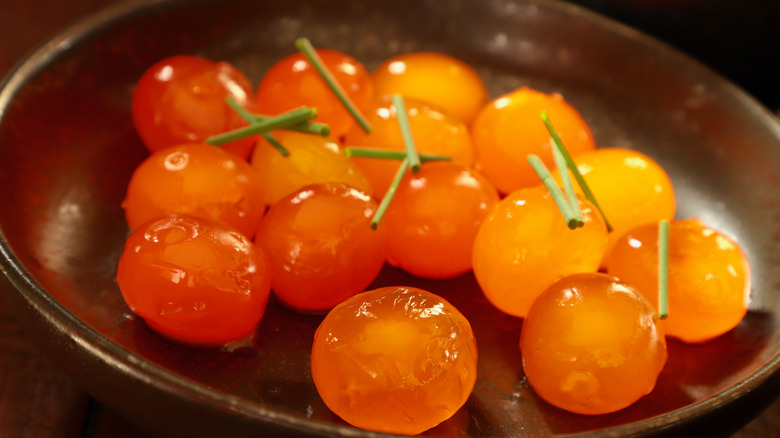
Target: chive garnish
250,118
285,119
276,144
321,129
380,211
384,154
555,191
406,132
305,47
568,187
663,269
573,167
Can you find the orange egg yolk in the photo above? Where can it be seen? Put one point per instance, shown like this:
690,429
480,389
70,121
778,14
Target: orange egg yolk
199,180
181,99
591,345
321,247
396,359
524,245
433,132
434,217
312,160
708,279
194,280
630,187
435,78
509,128
293,82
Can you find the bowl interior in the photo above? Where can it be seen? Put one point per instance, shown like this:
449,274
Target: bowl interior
68,148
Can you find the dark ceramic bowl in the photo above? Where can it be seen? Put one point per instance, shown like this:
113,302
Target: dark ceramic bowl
67,149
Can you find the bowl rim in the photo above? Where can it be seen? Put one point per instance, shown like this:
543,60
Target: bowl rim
61,320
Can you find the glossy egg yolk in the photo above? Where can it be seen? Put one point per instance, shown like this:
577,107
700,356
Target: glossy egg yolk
199,180
433,131
630,187
181,99
194,280
524,245
591,345
434,217
313,159
294,81
708,283
397,360
509,128
321,247
436,78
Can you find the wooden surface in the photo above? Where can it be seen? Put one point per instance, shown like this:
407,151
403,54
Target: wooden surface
36,399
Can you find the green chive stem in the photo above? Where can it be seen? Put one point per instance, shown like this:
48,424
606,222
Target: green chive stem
574,170
276,144
568,186
305,47
384,154
555,191
663,269
321,129
283,120
380,211
406,132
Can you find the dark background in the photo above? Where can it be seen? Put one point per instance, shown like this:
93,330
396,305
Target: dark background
737,38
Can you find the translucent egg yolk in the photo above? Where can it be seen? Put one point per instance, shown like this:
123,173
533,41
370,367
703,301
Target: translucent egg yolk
433,131
294,81
708,283
396,360
434,217
436,78
194,280
630,187
509,128
591,345
182,100
313,159
321,247
199,180
524,245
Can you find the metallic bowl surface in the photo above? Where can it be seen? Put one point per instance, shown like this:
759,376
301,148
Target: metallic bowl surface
68,148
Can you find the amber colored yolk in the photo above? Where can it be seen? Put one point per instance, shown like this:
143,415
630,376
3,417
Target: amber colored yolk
630,187
181,100
396,360
433,77
591,345
313,159
321,247
510,127
433,131
199,180
194,280
524,245
434,217
709,277
293,82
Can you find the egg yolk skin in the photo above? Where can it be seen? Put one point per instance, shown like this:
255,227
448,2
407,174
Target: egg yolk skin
509,128
293,82
396,360
434,217
630,187
591,345
199,180
524,245
708,280
321,247
194,280
181,99
433,132
436,78
313,159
